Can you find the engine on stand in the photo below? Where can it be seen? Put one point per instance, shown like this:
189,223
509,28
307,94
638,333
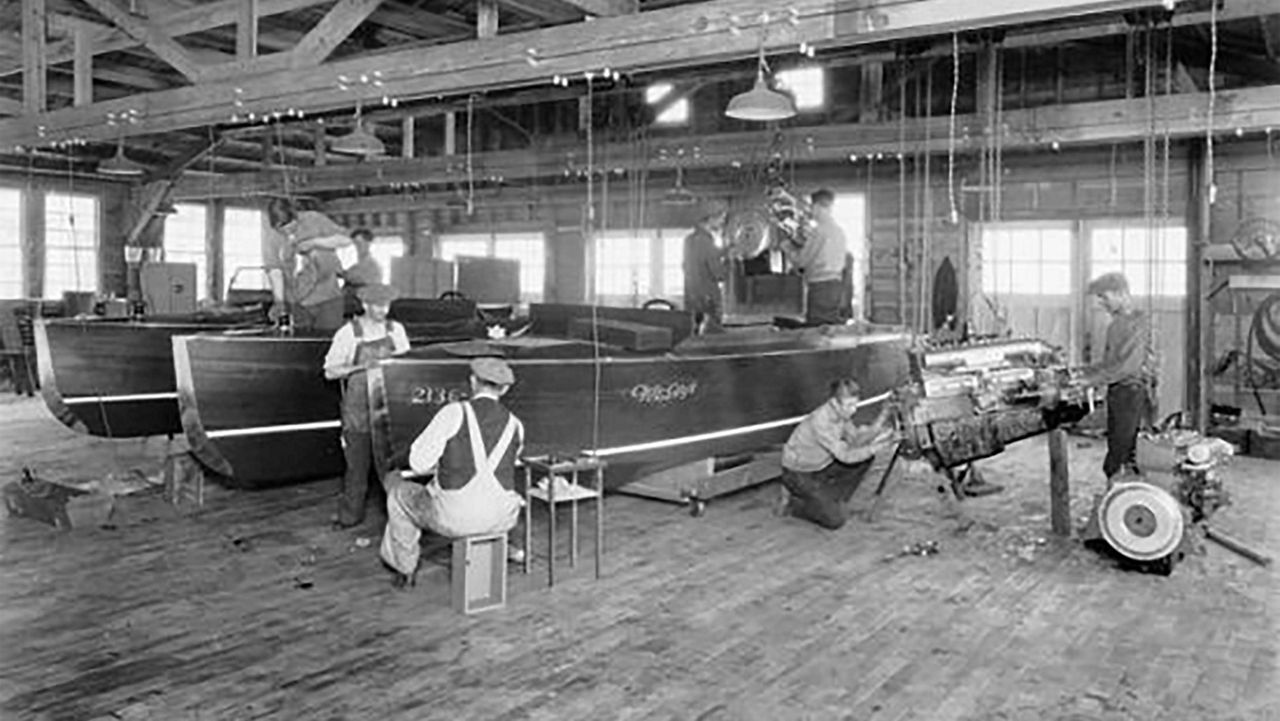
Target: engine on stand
969,401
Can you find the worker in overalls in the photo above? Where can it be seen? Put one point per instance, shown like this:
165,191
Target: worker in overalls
357,346
471,446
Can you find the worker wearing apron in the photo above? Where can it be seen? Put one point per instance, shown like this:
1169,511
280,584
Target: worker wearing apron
357,346
472,447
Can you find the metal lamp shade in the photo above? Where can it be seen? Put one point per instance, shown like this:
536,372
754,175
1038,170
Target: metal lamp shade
761,104
359,142
119,164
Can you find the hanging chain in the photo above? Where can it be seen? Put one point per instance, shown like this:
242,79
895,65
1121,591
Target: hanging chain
951,128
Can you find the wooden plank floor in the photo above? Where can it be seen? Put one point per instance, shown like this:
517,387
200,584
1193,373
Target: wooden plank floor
251,608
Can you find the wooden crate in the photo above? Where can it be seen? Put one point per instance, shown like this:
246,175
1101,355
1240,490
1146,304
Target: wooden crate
479,575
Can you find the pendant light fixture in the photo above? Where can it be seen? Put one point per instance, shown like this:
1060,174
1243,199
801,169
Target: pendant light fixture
359,141
761,103
119,164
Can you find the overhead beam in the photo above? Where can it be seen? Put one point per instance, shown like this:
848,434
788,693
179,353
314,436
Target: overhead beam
680,36
486,18
154,38
247,30
34,78
341,20
1078,124
9,106
182,22
606,8
82,69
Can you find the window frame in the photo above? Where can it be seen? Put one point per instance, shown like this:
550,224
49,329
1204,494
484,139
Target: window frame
990,261
185,255
93,250
530,292
17,247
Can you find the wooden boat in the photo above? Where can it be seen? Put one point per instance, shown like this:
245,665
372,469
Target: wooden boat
707,396
114,376
256,408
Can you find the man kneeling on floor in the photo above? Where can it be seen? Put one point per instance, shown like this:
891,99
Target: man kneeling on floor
828,454
471,446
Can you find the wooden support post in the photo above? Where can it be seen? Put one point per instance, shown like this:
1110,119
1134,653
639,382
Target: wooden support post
450,133
486,18
1059,484
247,30
34,56
1199,211
321,145
82,68
407,128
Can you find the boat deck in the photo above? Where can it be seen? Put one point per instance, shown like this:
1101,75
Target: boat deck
251,608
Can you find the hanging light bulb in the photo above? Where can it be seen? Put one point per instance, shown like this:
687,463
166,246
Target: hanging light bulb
359,141
761,103
119,164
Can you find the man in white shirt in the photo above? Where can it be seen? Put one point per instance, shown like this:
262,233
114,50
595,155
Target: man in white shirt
357,346
471,447
822,260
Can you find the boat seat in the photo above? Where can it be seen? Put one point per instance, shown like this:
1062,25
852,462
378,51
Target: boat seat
18,348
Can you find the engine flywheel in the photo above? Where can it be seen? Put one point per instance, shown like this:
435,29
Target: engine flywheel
747,232
1141,521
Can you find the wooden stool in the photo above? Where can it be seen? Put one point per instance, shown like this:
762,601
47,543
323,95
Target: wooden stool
550,468
183,479
479,574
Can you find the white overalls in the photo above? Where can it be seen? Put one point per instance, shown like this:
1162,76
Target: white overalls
481,506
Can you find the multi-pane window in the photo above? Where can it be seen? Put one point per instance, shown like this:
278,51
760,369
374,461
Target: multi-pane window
1150,258
242,230
807,85
184,240
1026,259
529,249
11,260
635,266
384,249
71,243
676,113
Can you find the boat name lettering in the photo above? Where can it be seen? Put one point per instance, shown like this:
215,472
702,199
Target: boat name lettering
650,394
435,395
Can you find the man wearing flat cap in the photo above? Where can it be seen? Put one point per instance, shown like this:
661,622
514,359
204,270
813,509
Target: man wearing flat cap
471,447
357,346
1128,369
705,268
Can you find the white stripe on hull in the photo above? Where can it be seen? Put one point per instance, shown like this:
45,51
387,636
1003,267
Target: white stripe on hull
266,430
166,396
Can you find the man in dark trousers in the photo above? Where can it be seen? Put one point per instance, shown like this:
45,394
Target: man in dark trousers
471,448
705,269
822,260
1129,370
827,456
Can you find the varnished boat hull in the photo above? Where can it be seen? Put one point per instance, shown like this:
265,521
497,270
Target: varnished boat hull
646,413
256,409
113,378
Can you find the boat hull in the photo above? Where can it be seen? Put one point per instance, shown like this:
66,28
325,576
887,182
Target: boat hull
113,378
647,413
256,409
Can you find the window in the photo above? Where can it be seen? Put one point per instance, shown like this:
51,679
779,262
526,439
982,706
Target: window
1148,257
71,244
677,113
184,240
807,86
11,260
530,249
384,249
635,266
1026,259
242,248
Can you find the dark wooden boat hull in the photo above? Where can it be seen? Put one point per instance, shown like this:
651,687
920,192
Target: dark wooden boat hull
256,409
114,377
645,413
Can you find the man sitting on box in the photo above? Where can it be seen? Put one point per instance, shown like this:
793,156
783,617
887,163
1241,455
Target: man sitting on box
471,446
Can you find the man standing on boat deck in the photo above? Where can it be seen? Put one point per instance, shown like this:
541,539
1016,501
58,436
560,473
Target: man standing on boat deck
365,271
705,269
357,346
472,447
822,260
1129,370
316,298
825,459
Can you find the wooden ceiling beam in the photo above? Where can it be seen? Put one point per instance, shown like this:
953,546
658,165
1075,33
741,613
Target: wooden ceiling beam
680,36
606,8
341,20
34,56
9,106
1078,124
155,38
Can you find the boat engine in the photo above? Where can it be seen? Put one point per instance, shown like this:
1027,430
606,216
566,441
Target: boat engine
969,401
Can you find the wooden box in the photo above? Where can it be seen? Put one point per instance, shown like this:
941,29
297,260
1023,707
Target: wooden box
489,280
168,288
479,574
632,336
417,276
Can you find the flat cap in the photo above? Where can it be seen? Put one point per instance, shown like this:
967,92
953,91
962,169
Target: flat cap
493,370
377,294
1114,282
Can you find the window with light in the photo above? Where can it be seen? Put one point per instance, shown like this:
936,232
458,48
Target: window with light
807,85
71,244
384,249
529,249
1153,260
675,114
12,263
185,233
635,266
242,230
1026,259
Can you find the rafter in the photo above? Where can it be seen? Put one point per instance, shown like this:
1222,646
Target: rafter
9,106
154,38
343,18
1092,123
680,36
